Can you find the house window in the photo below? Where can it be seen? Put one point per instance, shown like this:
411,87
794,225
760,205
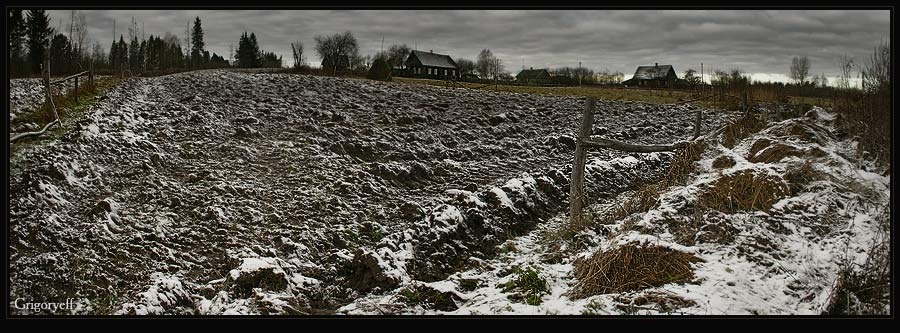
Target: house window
445,72
429,71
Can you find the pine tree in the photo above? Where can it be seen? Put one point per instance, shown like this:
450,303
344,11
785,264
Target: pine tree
254,47
17,31
197,43
134,55
122,58
38,33
114,54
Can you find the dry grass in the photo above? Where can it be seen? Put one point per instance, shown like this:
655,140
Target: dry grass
866,290
741,129
867,117
631,267
744,191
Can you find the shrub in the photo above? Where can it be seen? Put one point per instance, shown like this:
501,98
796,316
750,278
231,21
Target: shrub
380,71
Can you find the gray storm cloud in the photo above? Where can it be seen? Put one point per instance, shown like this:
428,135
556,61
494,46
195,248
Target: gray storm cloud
759,42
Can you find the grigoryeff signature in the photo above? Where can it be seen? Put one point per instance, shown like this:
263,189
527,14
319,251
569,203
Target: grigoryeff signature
22,304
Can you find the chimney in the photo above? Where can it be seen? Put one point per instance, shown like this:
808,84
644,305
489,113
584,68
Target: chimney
656,64
531,68
430,51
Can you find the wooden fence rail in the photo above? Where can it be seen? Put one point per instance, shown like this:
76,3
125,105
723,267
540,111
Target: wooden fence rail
585,141
48,96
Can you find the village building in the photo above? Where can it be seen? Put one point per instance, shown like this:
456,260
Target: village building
431,65
342,64
653,76
532,75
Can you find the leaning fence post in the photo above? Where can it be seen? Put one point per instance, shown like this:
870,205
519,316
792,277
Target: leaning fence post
76,89
47,91
697,123
576,187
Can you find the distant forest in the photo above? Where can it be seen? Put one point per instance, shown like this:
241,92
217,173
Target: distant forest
31,39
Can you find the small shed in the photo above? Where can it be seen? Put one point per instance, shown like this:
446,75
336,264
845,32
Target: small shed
431,65
653,76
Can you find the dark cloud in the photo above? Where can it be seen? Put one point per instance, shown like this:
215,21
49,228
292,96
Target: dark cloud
755,41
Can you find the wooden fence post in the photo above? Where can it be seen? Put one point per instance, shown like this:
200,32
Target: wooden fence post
47,92
576,188
697,123
76,89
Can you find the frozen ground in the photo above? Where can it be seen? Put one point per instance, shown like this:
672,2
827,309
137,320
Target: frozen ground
217,192
784,261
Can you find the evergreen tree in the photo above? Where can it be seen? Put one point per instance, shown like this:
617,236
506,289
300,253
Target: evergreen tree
248,51
254,46
197,43
38,32
122,54
60,55
17,31
114,54
134,55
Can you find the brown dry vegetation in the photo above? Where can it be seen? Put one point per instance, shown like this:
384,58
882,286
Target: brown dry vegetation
631,267
745,190
741,129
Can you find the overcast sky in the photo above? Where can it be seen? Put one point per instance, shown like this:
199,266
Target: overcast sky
761,43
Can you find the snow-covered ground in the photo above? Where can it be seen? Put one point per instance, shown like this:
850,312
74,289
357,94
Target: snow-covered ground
217,192
26,95
784,261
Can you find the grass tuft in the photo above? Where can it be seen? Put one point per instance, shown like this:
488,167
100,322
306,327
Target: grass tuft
631,267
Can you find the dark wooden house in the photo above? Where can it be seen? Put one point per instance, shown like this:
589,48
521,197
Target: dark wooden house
342,64
431,65
533,76
653,76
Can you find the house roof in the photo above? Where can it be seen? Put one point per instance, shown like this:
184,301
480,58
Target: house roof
434,59
652,72
530,74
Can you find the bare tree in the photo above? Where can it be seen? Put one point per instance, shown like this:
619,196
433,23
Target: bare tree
80,35
800,69
337,50
846,64
297,51
876,72
396,55
484,64
466,66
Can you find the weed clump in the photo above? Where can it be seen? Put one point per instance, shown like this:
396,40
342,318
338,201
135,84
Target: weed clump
866,290
745,190
631,267
741,129
528,286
